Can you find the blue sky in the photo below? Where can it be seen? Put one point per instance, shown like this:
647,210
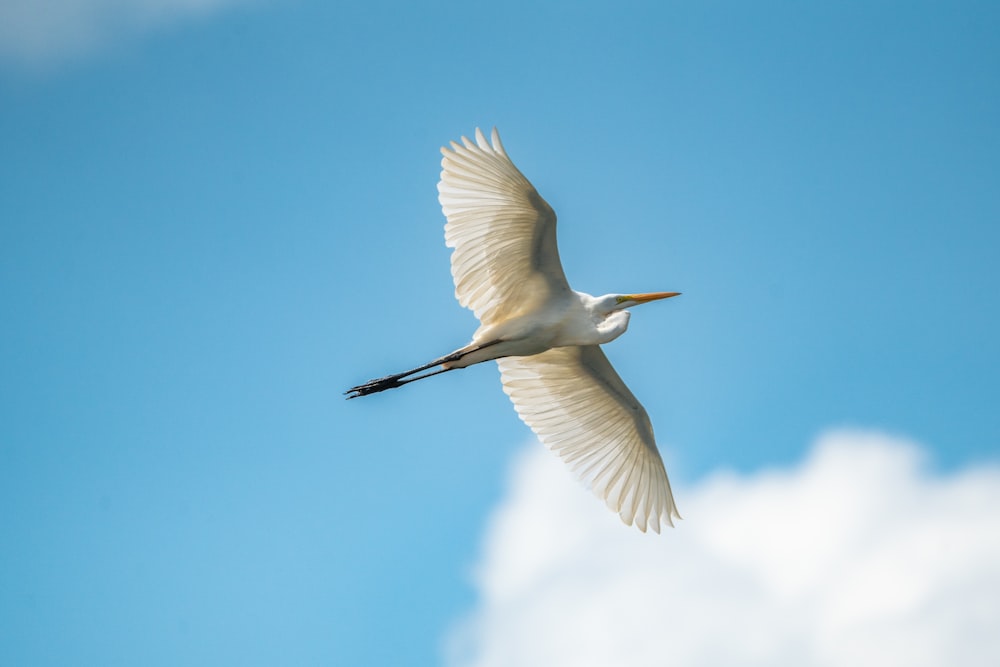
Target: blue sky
216,217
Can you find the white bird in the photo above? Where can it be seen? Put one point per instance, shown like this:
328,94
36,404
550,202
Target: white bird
545,336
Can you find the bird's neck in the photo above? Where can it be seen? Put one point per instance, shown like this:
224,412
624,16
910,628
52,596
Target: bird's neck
609,321
613,325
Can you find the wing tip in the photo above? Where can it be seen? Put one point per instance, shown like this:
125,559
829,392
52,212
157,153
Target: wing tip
664,519
494,145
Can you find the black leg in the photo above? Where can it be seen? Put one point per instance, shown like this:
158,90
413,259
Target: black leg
397,379
389,382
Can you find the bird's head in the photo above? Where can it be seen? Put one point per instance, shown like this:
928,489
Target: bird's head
623,301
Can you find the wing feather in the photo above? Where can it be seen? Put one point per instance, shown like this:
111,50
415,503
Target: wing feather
505,260
580,408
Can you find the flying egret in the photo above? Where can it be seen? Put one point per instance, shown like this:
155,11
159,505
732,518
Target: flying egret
545,336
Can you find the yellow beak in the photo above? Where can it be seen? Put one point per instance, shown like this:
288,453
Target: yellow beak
651,296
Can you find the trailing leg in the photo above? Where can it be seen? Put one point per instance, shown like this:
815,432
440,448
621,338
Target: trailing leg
399,379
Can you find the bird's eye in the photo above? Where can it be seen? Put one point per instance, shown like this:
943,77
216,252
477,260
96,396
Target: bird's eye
621,299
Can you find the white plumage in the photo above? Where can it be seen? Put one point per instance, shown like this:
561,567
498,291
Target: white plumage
505,261
545,336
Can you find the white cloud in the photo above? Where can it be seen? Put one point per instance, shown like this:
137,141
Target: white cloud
40,32
856,557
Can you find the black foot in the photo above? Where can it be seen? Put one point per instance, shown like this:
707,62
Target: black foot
374,386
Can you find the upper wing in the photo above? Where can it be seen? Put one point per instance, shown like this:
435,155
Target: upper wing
505,261
576,403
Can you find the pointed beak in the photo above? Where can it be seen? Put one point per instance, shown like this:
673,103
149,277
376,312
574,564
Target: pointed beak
652,296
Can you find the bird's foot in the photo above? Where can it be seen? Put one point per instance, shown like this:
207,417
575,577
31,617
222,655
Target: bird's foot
374,386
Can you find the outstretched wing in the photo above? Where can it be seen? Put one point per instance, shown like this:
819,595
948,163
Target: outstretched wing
578,406
505,261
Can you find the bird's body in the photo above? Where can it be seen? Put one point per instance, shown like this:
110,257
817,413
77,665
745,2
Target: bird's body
544,335
571,318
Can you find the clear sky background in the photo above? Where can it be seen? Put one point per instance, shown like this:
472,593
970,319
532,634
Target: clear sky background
215,216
